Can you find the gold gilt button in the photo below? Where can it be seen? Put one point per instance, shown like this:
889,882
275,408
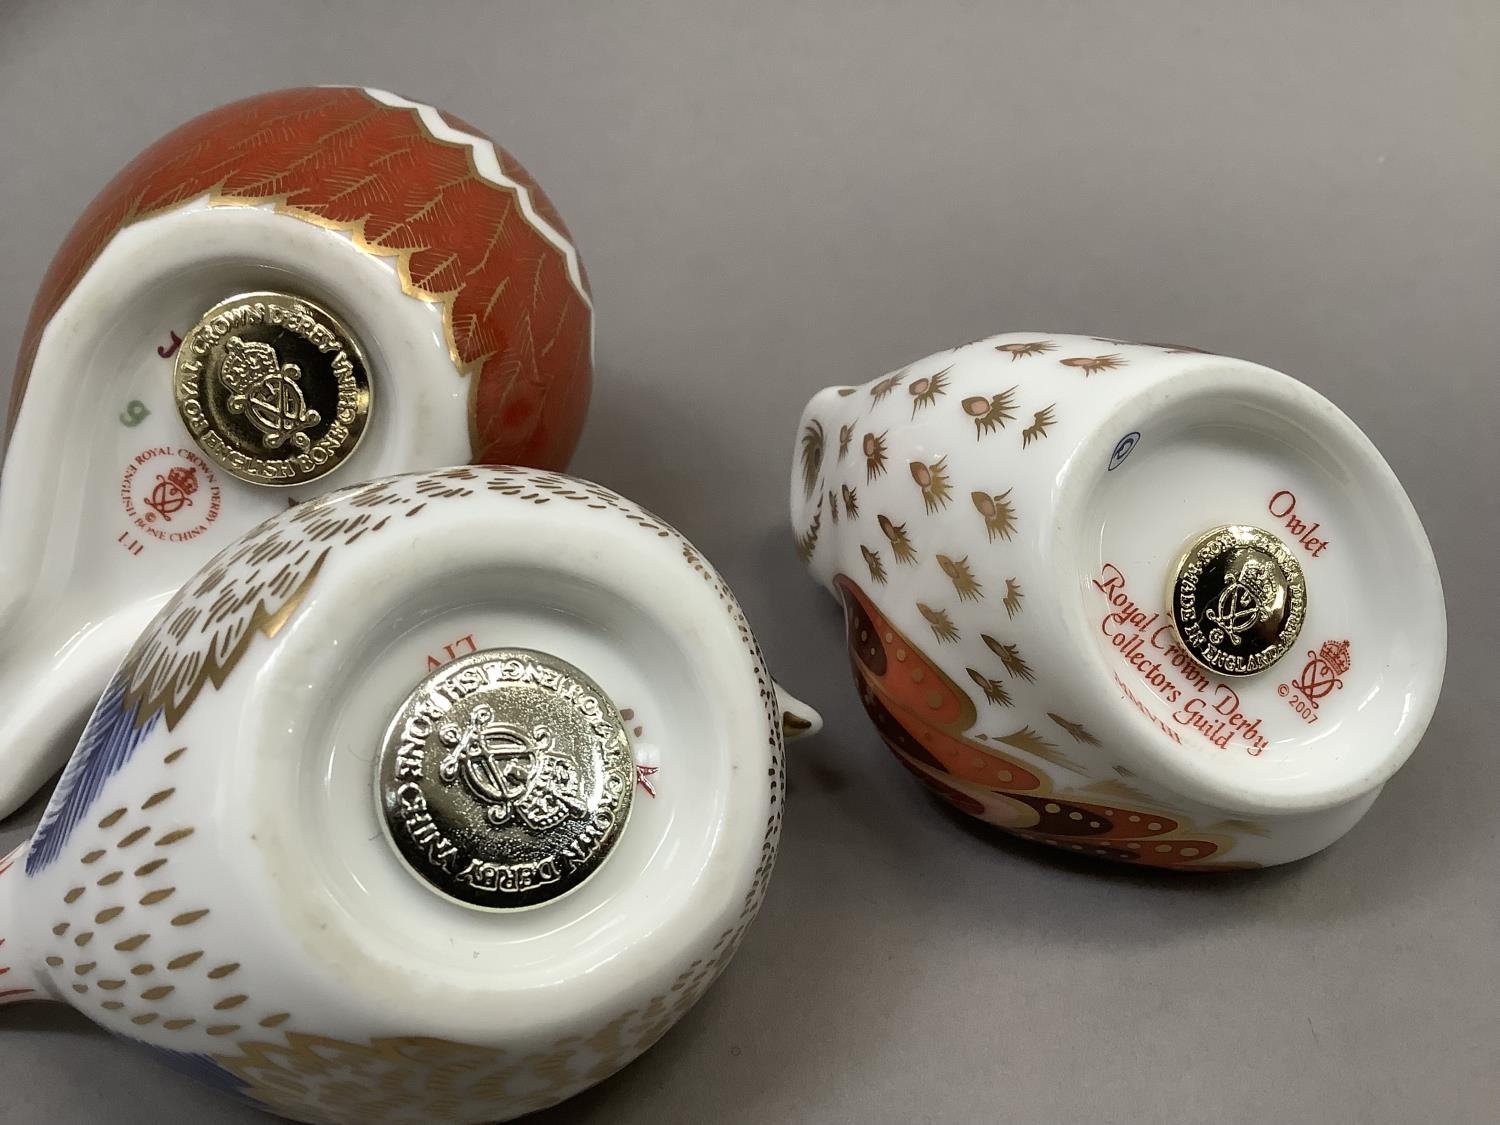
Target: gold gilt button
1238,599
273,388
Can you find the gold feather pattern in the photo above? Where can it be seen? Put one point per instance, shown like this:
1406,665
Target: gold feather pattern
1041,422
1013,596
846,435
1031,741
807,542
991,413
1032,347
942,625
874,447
927,390
1027,739
886,385
872,560
1092,364
515,315
998,512
812,455
851,502
901,544
932,479
962,576
994,690
1075,729
256,588
1010,656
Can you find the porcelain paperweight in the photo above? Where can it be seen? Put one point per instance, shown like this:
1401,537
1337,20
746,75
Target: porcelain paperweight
1131,600
435,799
291,293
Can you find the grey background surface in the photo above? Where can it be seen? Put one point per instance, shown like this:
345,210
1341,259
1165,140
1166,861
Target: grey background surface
777,196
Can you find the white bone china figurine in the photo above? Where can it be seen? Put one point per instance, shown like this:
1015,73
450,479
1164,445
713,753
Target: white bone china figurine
435,799
285,295
1131,600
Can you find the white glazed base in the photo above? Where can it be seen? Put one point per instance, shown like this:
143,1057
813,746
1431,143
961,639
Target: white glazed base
212,879
84,563
1001,521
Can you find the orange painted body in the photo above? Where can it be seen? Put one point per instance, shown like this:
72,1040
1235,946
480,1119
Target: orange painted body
516,323
926,719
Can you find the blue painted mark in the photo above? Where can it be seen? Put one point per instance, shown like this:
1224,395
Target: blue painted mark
200,1068
1122,449
107,744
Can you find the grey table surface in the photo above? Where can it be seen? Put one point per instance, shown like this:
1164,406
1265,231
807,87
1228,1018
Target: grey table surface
777,196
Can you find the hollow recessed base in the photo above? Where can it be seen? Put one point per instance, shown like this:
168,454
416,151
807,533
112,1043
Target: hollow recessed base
1340,711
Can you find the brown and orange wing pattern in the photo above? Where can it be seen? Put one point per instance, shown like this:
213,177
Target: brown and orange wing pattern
922,715
516,322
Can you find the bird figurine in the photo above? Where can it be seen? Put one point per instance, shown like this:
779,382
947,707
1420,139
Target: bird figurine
407,807
1187,618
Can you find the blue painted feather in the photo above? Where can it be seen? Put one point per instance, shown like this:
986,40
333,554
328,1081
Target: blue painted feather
107,744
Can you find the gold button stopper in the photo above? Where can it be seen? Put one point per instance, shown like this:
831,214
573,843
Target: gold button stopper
273,388
1238,599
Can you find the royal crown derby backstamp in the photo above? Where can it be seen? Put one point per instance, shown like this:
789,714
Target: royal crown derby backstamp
1111,596
290,293
421,783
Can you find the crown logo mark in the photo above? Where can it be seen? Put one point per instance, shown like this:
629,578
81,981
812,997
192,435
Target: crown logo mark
267,392
511,771
1323,673
1335,654
173,492
184,479
1248,597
